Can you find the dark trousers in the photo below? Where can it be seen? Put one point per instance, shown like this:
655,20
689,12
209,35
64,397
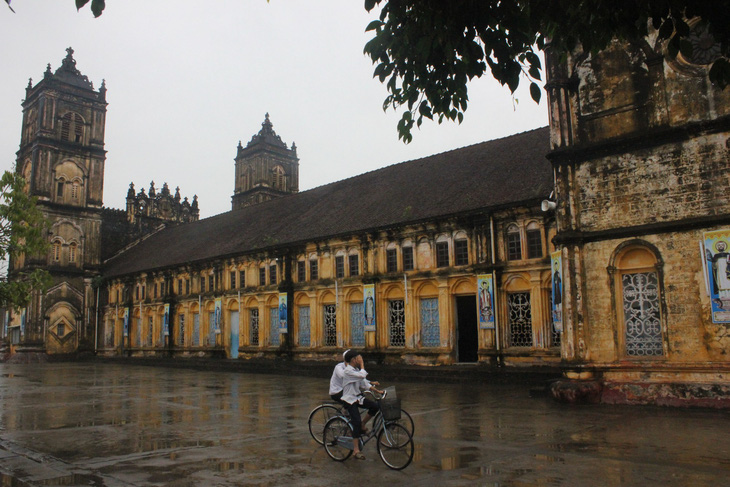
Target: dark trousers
354,410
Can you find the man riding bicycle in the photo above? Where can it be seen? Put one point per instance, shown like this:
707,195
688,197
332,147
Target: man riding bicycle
354,383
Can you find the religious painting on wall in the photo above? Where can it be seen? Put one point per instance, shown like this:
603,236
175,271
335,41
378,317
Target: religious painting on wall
126,322
282,313
23,316
165,320
717,266
485,300
368,292
556,266
217,320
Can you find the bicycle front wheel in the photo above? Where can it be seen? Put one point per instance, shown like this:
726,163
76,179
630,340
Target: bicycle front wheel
318,418
406,421
395,446
338,439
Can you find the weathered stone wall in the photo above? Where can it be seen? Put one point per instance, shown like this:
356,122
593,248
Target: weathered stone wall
675,181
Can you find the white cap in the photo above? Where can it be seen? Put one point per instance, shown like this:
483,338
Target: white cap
345,353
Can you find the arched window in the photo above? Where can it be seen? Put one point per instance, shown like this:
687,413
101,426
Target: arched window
72,253
533,235
638,303
514,244
56,251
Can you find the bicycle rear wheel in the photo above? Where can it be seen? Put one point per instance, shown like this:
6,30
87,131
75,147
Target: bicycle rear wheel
318,418
337,438
395,446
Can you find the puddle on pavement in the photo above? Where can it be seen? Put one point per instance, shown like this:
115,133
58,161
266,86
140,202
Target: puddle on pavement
68,480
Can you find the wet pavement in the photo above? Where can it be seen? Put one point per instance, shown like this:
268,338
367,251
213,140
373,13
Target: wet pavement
120,425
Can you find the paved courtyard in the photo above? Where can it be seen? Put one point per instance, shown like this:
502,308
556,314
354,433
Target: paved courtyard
119,425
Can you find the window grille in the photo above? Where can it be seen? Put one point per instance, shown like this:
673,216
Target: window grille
641,314
181,337
514,245
520,319
357,324
233,279
301,271
72,253
202,284
56,251
407,258
150,331
442,254
339,266
61,329
196,330
330,325
254,326
242,278
274,327
397,323
138,334
211,283
461,252
430,329
391,260
180,286
354,265
304,326
211,328
262,276
534,244
313,270
75,190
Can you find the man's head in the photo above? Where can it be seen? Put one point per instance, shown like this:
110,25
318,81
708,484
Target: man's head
345,353
350,355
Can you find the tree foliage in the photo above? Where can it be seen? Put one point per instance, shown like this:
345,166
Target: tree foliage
22,233
426,51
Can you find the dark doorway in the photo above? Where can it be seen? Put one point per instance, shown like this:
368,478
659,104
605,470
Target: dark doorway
467,329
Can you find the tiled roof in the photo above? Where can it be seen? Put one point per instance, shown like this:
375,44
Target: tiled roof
491,174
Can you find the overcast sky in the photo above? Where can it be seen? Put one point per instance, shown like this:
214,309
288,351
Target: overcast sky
186,80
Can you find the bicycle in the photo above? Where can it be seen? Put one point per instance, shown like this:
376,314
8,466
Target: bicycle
328,410
394,443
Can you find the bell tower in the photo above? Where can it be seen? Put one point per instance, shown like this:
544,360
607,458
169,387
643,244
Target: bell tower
62,158
265,169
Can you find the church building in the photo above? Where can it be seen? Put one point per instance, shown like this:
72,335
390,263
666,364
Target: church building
597,246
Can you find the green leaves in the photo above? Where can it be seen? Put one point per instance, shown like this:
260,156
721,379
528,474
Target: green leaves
97,6
427,51
22,235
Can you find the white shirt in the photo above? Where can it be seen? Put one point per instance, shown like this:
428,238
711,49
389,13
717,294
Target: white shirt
353,383
336,380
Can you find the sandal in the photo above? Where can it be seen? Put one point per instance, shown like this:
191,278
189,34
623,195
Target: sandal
359,456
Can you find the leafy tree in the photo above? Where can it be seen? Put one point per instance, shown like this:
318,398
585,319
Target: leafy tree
22,233
427,50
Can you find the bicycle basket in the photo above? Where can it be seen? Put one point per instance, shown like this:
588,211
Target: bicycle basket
390,408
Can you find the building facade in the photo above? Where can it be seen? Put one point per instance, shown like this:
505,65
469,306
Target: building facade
640,151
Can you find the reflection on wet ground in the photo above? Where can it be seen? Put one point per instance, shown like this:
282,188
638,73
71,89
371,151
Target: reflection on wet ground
114,425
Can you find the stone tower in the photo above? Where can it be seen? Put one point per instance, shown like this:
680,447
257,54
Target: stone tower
265,168
62,158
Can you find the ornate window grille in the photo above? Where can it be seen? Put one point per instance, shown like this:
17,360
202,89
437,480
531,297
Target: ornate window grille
520,319
357,324
430,328
330,325
196,330
254,326
274,327
641,314
149,331
397,323
304,326
181,337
